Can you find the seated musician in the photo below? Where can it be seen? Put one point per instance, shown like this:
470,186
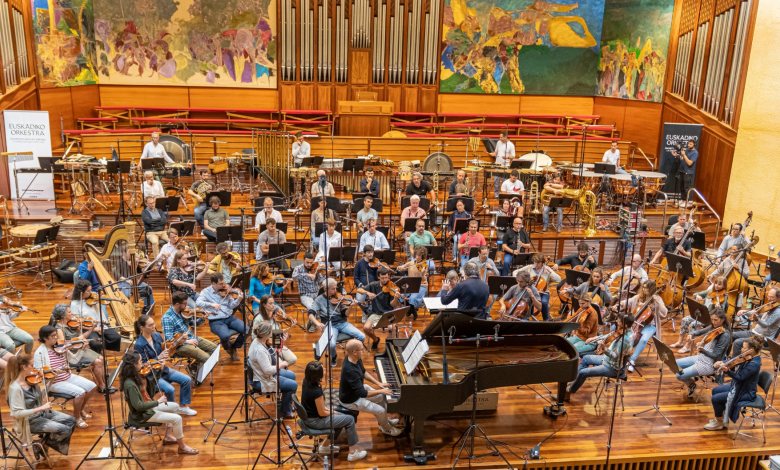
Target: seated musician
734,238
472,293
670,245
469,240
504,211
79,354
309,277
322,186
554,187
610,354
487,267
612,156
382,299
154,225
10,334
173,322
417,266
319,416
263,282
127,286
273,313
330,239
214,218
451,279
418,186
143,409
225,262
595,286
355,394
154,149
368,184
86,271
583,338
514,186
645,326
264,369
149,344
412,211
219,302
267,213
65,383
198,191
166,253
712,347
270,236
32,411
108,337
151,187
183,278
458,213
364,273
767,323
682,222
517,302
331,307
459,183
630,276
581,258
366,213
300,149
420,237
319,216
542,276
516,241
733,262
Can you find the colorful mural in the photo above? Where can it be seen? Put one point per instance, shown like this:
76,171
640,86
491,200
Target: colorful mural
521,46
634,47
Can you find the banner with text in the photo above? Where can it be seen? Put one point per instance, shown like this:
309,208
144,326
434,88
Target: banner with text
28,131
675,135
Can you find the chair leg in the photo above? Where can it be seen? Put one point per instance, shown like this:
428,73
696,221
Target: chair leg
739,426
763,426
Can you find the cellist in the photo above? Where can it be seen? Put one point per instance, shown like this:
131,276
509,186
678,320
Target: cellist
541,277
675,244
647,309
516,302
583,338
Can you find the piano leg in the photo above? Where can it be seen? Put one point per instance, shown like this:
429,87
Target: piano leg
419,455
557,408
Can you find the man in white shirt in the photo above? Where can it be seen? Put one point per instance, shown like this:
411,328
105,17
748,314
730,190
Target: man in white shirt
154,149
612,156
513,185
373,237
504,153
268,212
635,270
300,149
316,187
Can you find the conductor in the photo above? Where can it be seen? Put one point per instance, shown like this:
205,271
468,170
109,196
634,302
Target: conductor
471,294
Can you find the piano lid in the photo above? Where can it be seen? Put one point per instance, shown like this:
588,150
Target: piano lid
466,325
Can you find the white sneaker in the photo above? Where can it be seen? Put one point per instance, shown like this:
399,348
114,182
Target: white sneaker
187,411
393,432
631,368
357,455
714,425
393,421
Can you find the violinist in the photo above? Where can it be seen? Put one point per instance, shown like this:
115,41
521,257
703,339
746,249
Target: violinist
366,213
270,236
273,313
648,309
149,345
167,252
64,383
331,307
226,262
373,237
767,322
10,334
31,408
264,282
744,370
734,238
609,356
671,245
309,276
320,215
109,337
364,273
328,240
541,277
173,322
519,299
714,297
583,338
459,213
219,302
451,279
384,296
143,409
469,240
183,277
472,294
712,347
73,336
267,375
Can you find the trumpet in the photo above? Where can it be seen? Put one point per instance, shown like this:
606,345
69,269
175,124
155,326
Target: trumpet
533,198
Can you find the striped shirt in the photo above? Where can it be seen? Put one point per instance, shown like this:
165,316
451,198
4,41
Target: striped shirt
57,361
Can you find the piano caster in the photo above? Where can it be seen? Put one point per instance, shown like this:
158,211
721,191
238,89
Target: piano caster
554,410
419,456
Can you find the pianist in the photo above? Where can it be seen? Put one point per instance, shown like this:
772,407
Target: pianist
472,293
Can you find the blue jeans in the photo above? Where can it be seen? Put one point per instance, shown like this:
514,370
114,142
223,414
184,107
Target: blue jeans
687,369
170,377
227,327
346,328
199,211
546,216
287,385
647,332
416,300
544,297
719,396
591,365
508,257
581,346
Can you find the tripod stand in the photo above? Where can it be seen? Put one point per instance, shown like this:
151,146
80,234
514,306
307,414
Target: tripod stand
665,355
13,442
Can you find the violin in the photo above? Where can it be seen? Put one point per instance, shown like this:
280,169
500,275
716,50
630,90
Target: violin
342,299
376,263
316,266
233,292
61,347
392,289
78,323
607,342
276,278
152,365
194,266
746,356
174,343
94,298
19,308
45,373
710,336
769,306
197,312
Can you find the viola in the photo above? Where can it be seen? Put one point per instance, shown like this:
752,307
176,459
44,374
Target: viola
341,299
197,312
746,356
19,308
234,293
152,365
710,336
75,323
607,342
61,347
276,278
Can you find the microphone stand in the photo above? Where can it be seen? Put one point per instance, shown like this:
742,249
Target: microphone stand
324,234
13,442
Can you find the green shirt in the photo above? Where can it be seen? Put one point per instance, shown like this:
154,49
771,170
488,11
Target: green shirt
416,240
216,218
140,409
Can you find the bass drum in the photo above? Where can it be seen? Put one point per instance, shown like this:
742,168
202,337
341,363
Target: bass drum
437,162
176,148
540,160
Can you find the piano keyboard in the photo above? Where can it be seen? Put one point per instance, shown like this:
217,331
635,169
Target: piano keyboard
387,375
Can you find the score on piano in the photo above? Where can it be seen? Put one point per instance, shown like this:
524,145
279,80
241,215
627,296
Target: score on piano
414,351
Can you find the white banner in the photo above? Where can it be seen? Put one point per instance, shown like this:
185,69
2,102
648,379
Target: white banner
28,131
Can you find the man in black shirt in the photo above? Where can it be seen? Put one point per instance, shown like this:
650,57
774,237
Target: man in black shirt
581,258
418,186
515,241
381,302
355,395
369,184
670,245
471,294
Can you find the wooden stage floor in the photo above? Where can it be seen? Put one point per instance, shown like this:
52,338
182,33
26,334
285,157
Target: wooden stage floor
580,439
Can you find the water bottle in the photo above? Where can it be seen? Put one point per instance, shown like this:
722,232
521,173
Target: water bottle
325,464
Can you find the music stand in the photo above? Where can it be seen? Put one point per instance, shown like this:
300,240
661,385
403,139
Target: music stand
224,198
393,318
666,355
152,163
354,164
605,168
502,196
342,254
185,227
435,252
276,250
522,259
560,202
679,264
468,203
231,233
332,203
698,241
504,222
386,256
520,164
698,311
474,252
280,226
774,270
425,203
45,236
312,161
410,224
241,281
112,166
575,278
462,225
409,285
774,351
498,285
320,227
167,204
376,203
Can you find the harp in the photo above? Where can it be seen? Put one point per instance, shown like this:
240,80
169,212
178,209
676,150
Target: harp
114,261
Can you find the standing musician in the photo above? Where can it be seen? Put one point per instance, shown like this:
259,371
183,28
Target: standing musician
154,225
504,153
219,302
154,149
368,184
31,408
320,215
648,309
384,296
521,298
584,337
151,187
712,347
366,213
225,262
322,186
198,191
608,360
270,236
82,292
149,344
767,322
472,293
670,245
214,218
173,322
469,240
183,278
744,369
267,213
300,149
10,334
458,213
516,241
264,282
734,238
484,263
555,187
542,276
372,236
418,187
309,276
72,338
64,383
459,183
595,285
332,239
331,307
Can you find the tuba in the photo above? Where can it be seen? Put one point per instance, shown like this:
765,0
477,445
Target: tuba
533,198
586,200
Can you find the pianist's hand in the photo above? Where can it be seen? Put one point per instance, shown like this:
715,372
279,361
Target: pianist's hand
384,385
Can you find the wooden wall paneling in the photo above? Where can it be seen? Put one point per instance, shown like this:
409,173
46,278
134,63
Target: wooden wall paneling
307,96
341,93
409,98
379,89
463,103
59,104
287,96
394,93
339,147
84,99
530,104
238,98
360,66
611,110
427,101
325,96
131,95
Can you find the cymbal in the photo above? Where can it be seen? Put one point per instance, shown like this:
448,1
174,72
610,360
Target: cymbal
472,169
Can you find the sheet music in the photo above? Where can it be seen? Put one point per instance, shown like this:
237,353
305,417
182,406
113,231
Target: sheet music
410,345
416,356
322,343
434,303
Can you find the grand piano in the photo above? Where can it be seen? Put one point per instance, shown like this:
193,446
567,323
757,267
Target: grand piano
529,353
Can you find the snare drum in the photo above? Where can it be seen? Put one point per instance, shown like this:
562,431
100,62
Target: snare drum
653,180
621,184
